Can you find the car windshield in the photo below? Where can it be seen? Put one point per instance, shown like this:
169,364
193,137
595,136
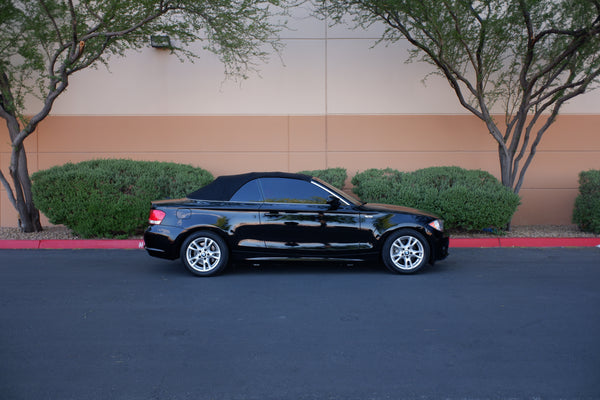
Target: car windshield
346,196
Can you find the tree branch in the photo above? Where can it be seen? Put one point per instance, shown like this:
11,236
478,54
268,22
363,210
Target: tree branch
124,32
73,22
578,39
90,60
6,100
9,192
53,20
532,152
453,76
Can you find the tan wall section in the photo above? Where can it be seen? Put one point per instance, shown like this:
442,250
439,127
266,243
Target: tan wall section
232,144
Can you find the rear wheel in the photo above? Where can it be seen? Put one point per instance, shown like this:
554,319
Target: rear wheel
405,251
204,253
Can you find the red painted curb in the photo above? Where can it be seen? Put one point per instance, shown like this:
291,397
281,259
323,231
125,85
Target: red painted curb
127,244
475,242
549,242
19,244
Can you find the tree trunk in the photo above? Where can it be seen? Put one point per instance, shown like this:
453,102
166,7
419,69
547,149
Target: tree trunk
29,215
506,168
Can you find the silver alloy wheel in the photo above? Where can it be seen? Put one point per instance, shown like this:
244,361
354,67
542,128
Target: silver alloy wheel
203,254
407,252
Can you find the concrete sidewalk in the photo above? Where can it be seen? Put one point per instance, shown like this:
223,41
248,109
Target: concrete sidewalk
133,244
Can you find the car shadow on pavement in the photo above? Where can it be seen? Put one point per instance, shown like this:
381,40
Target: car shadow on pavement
303,267
175,268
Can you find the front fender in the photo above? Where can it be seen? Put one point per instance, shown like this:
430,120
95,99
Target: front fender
382,224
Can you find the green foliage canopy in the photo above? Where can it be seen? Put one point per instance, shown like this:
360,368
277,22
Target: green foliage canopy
44,42
524,58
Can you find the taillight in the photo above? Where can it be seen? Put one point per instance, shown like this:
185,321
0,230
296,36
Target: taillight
156,217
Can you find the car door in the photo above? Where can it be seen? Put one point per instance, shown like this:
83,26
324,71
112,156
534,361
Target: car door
244,207
296,220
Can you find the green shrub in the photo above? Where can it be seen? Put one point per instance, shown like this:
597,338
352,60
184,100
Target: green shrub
587,204
334,176
465,199
110,198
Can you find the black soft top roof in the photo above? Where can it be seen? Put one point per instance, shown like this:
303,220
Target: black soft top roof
222,188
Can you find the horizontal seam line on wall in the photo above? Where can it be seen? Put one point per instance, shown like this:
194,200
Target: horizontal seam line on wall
263,152
330,114
549,188
303,151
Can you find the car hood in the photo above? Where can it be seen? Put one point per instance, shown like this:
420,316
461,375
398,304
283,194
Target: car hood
393,208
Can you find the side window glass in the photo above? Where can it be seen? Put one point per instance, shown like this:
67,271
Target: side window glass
248,193
282,190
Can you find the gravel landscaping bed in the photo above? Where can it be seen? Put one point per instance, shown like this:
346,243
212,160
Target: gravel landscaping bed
63,233
524,231
49,233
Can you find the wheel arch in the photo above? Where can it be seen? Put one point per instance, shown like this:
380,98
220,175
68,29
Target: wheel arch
198,228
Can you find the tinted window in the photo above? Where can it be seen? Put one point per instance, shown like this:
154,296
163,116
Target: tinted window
282,190
250,192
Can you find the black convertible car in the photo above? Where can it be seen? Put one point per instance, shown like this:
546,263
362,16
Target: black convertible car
281,216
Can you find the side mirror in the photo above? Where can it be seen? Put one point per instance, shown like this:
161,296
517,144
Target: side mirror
334,202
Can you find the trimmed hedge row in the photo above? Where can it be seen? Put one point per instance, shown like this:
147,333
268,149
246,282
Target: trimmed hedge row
110,198
587,204
465,199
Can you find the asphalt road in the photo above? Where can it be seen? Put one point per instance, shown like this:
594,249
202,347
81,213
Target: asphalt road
117,324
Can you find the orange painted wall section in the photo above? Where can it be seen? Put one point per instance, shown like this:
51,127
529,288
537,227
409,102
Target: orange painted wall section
233,144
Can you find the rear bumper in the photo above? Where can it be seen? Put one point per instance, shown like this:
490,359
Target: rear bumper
161,242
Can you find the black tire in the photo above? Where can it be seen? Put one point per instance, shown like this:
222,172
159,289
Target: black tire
204,253
405,251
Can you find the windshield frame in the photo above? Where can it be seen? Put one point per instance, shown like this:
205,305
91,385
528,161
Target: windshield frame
349,198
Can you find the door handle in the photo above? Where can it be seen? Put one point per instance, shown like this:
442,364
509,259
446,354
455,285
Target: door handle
272,214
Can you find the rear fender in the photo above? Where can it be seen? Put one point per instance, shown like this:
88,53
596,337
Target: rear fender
211,228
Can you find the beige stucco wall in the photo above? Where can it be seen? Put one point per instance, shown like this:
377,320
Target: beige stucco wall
331,98
233,144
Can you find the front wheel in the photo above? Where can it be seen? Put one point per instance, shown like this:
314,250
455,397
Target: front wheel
204,254
405,251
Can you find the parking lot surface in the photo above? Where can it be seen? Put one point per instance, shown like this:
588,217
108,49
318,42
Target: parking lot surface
117,324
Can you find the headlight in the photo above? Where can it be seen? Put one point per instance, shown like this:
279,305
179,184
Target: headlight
438,225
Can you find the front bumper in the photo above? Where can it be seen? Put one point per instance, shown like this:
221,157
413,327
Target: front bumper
443,248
